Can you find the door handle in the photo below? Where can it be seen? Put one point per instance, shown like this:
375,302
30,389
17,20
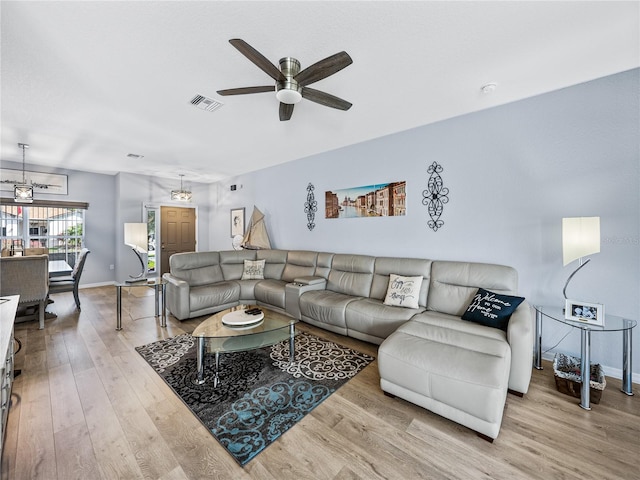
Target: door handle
162,247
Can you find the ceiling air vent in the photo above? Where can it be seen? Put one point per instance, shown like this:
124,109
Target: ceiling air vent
204,103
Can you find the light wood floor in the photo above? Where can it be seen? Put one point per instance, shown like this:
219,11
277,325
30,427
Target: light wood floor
88,407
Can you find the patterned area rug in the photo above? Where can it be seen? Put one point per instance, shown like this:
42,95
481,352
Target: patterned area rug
261,394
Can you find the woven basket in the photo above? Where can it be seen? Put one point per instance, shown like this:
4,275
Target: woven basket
566,371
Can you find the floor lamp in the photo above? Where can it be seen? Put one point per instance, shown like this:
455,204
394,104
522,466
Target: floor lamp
580,237
135,236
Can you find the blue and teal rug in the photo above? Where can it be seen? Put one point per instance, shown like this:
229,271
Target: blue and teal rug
261,394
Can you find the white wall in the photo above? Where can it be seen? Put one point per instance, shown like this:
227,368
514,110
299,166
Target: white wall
513,172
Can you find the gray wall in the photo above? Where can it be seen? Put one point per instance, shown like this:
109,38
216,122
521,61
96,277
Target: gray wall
114,200
99,191
132,192
513,173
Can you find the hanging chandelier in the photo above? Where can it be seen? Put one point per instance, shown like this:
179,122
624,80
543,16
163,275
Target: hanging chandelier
22,192
181,195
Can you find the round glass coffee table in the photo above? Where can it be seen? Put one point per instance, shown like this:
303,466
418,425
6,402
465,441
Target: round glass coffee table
214,336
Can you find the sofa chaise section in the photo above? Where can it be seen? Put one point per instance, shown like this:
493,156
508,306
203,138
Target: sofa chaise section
453,367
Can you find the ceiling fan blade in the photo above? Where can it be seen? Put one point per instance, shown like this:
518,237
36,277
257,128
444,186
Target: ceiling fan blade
257,58
286,110
323,68
245,90
325,99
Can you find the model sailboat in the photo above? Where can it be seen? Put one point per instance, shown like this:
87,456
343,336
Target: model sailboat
256,237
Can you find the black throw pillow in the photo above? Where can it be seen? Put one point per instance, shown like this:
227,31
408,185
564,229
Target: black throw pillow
491,309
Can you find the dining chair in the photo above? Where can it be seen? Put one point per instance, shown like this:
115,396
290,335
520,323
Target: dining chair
27,277
69,283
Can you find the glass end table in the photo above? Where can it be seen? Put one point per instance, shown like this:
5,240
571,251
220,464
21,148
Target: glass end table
160,287
612,323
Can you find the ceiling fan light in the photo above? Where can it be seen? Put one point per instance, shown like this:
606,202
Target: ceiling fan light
288,96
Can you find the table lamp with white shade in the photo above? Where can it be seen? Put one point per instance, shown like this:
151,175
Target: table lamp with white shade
580,237
135,236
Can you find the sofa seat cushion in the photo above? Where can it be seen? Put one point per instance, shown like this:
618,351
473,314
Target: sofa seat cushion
374,318
456,323
207,296
325,306
458,368
270,292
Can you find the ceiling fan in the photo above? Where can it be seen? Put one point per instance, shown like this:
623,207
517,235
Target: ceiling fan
291,82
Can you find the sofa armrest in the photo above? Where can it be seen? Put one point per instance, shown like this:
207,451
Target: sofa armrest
311,281
177,296
292,292
520,337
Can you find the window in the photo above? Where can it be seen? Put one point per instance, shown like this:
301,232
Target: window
151,235
58,229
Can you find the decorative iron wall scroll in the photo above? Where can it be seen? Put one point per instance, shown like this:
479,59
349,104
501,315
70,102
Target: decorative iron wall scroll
310,207
435,196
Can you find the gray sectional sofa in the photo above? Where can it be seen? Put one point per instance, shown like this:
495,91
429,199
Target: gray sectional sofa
428,355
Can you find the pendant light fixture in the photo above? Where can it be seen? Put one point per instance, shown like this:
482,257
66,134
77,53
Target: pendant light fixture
22,192
181,195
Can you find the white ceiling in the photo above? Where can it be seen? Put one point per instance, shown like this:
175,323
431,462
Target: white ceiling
86,83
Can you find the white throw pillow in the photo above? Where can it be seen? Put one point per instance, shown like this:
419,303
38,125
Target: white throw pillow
253,270
403,291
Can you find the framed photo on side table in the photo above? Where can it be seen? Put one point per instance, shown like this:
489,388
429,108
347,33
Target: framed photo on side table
578,311
237,222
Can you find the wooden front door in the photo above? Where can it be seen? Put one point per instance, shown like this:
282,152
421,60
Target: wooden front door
177,233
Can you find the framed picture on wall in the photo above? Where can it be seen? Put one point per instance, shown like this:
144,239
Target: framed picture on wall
380,200
41,182
592,313
237,222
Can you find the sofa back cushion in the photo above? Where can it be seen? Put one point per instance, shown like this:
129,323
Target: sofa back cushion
299,264
196,268
351,274
274,264
323,265
232,262
406,267
453,284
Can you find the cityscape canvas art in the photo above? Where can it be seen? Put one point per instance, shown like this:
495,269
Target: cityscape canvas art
381,200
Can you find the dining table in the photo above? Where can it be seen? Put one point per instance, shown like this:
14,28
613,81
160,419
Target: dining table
59,267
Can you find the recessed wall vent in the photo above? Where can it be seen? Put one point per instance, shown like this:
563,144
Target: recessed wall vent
205,103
